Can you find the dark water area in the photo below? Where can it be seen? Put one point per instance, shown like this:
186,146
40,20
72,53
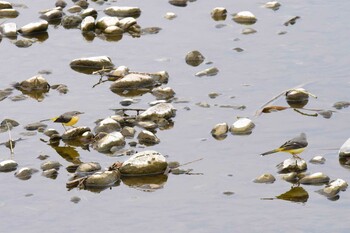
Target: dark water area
313,52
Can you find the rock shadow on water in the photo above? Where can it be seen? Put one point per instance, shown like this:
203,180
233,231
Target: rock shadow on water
145,183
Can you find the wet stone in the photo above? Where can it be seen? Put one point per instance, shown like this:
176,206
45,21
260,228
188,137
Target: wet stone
50,173
341,104
35,126
106,21
163,93
76,133
71,21
128,132
213,95
110,143
146,137
194,58
180,3
82,3
315,178
247,31
161,110
265,178
133,81
89,12
8,165
170,15
74,9
60,3
274,5
144,163
123,11
24,43
50,165
332,189
219,130
102,179
88,24
107,125
243,126
5,5
8,13
290,177
244,17
53,16
208,72
148,125
32,28
75,199
8,29
238,49
219,13
25,173
319,159
203,105
88,168
344,151
292,165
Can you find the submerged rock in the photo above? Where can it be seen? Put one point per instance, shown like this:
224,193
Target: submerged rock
71,21
292,165
315,178
8,165
265,178
144,163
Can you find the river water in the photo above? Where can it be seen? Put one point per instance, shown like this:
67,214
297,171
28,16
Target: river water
313,52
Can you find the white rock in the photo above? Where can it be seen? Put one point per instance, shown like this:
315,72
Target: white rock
242,126
170,15
9,29
245,17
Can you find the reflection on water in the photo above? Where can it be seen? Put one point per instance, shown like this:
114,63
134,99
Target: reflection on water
295,194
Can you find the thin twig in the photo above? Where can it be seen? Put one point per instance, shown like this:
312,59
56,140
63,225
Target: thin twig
305,114
10,138
190,162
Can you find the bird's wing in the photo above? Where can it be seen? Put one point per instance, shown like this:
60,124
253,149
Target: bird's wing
62,119
293,144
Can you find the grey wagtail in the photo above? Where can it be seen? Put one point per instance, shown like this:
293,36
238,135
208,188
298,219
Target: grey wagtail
67,118
294,146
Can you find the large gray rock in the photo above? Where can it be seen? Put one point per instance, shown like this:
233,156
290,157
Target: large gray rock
144,163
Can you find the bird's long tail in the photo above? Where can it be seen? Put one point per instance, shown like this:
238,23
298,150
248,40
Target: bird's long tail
270,152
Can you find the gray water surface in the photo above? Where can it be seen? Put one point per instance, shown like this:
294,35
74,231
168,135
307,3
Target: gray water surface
313,52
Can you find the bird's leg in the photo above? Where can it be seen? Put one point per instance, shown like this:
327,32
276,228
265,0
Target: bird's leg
64,127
